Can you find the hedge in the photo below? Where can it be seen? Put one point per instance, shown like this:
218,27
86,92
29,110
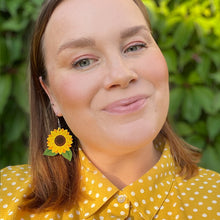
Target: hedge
188,34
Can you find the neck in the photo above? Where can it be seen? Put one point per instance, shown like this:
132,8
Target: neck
123,170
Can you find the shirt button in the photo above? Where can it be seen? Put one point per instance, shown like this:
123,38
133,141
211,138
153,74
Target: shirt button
121,198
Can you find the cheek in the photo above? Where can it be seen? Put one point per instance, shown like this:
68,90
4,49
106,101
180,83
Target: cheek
154,68
72,91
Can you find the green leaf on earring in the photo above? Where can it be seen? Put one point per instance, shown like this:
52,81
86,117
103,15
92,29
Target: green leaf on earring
48,152
68,155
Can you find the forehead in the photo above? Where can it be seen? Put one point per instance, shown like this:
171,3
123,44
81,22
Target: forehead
93,15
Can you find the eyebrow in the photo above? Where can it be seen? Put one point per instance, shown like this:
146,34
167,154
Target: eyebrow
89,42
78,43
133,31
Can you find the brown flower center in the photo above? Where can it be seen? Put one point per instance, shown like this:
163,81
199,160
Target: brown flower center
60,140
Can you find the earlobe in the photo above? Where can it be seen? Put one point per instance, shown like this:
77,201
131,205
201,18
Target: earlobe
52,100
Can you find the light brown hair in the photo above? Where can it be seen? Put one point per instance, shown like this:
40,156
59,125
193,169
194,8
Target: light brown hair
56,180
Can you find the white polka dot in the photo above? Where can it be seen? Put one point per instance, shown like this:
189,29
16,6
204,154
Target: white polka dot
189,217
97,195
105,199
209,208
109,189
115,205
9,194
133,193
144,201
93,205
159,196
169,213
195,210
10,213
109,211
122,213
126,205
142,191
14,183
148,212
100,185
149,178
204,215
151,199
77,212
85,201
218,213
5,206
136,204
87,214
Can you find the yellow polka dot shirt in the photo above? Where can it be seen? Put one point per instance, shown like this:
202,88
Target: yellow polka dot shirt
159,194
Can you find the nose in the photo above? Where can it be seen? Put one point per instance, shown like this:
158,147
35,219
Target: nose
120,75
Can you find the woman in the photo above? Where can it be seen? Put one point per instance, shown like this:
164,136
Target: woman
98,73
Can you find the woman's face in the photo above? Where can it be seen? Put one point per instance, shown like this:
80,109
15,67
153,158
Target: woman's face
107,76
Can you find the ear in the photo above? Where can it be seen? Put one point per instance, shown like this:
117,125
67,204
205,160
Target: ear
53,102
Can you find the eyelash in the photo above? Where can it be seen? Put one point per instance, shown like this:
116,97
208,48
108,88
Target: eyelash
78,62
140,45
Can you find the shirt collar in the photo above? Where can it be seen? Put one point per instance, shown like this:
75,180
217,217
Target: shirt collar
154,185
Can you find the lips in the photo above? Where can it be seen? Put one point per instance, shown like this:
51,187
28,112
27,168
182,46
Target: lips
128,105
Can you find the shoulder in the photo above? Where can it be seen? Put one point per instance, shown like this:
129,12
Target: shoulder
18,173
204,179
205,186
14,184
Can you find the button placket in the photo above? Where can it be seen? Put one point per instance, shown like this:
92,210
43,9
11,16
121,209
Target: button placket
119,208
121,198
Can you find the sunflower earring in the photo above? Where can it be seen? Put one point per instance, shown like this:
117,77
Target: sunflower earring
59,142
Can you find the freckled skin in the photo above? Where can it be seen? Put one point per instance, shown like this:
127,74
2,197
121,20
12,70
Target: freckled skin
115,71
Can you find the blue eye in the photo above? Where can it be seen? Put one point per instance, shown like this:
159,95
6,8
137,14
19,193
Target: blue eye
135,48
83,63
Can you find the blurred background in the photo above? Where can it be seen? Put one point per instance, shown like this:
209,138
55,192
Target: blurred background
188,34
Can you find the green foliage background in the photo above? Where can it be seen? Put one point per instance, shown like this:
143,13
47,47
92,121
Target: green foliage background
188,34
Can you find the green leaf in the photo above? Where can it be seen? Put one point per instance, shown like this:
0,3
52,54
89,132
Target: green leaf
204,96
191,110
5,89
216,77
183,34
203,68
196,140
16,124
184,129
4,53
210,159
171,59
176,97
68,155
213,126
20,88
48,152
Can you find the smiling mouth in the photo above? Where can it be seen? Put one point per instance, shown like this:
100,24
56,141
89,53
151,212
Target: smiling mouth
126,106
